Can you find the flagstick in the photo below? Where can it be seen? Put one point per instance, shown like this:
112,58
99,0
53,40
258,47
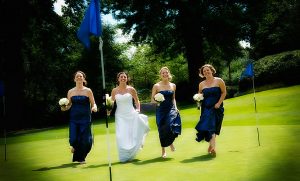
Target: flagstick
255,111
4,128
104,98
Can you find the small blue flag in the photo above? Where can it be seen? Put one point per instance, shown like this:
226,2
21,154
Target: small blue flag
91,24
248,72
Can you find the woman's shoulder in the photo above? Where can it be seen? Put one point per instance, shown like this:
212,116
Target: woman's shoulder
157,84
71,90
87,88
219,80
131,88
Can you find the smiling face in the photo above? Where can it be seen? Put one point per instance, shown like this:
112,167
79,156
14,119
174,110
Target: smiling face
165,74
80,77
207,72
122,78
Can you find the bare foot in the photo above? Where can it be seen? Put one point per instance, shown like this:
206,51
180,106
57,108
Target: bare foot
72,149
172,147
163,152
209,149
213,152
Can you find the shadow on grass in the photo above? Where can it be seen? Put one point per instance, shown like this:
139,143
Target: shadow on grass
103,165
135,161
58,167
199,158
154,160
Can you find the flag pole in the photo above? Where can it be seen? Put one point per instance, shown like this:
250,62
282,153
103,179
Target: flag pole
104,100
249,73
255,108
3,115
4,128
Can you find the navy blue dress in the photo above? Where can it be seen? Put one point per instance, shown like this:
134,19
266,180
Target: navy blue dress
80,127
210,119
168,120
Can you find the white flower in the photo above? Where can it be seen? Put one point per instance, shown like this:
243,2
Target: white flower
159,97
198,97
109,102
63,102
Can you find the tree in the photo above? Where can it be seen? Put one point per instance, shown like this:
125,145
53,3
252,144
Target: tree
46,53
176,27
274,26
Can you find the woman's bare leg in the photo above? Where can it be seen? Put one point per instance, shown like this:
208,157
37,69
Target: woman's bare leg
212,145
163,152
172,147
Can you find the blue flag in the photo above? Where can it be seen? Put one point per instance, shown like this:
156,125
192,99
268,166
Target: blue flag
91,24
248,72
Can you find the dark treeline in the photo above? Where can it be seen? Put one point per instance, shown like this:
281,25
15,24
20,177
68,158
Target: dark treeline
40,51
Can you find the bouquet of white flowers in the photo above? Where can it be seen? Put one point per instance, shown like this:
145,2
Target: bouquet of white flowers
63,102
109,102
198,98
159,98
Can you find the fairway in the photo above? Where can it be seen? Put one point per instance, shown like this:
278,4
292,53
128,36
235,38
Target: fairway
44,155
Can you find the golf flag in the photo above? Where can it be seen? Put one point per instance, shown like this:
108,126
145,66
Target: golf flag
248,72
91,24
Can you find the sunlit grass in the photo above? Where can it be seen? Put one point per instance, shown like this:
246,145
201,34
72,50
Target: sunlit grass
44,154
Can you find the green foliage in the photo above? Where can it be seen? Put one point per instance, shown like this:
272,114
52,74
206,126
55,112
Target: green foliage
283,67
144,66
51,54
197,30
275,26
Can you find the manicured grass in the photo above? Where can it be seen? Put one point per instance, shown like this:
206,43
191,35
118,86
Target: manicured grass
44,155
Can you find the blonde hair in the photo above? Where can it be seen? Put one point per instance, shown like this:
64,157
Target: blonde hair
210,67
166,68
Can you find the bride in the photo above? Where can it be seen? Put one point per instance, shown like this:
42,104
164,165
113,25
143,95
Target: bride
131,126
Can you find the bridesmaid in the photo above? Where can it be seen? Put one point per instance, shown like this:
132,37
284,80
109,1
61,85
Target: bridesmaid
212,111
168,120
81,105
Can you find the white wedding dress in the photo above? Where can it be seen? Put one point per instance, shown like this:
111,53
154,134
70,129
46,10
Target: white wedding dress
131,127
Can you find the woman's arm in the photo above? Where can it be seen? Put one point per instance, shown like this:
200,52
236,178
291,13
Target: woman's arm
154,91
92,100
223,93
174,99
136,98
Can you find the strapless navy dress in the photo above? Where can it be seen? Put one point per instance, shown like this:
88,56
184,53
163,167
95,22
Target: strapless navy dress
168,120
210,119
80,136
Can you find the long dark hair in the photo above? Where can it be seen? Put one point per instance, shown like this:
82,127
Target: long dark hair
119,74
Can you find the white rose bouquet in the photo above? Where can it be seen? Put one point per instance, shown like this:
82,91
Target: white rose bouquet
109,102
198,98
63,102
159,98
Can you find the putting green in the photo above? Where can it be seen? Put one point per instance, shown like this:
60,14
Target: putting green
239,157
